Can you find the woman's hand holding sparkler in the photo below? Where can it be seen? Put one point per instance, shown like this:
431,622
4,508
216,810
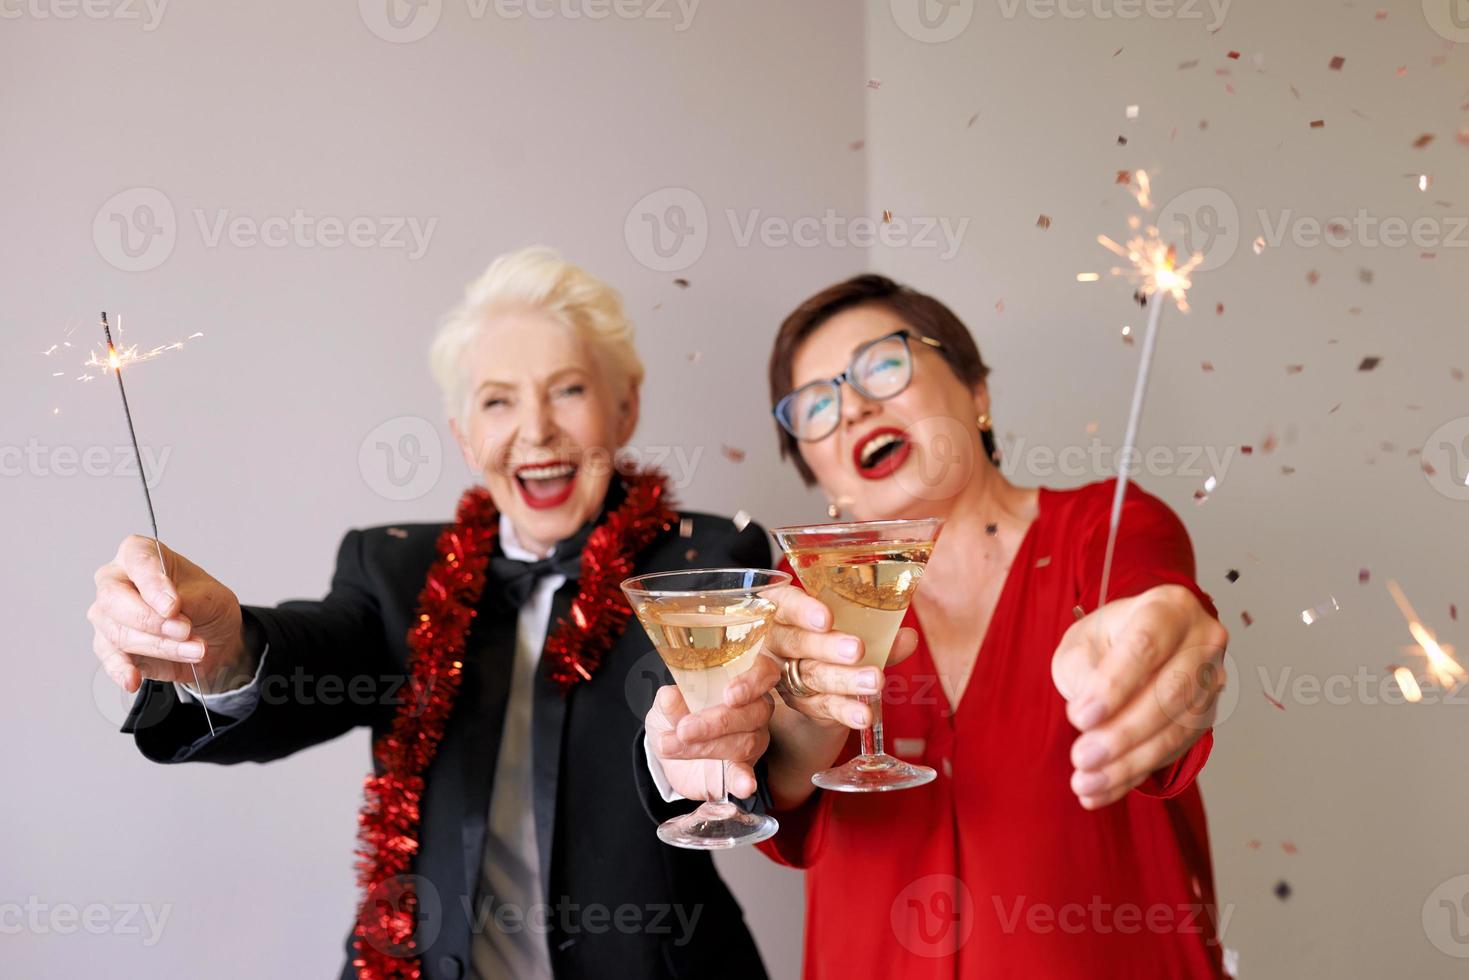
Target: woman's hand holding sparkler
160,624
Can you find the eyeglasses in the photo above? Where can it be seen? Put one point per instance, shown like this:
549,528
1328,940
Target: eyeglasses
880,369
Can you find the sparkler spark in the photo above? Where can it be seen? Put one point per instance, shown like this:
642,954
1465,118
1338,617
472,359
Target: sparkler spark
1441,663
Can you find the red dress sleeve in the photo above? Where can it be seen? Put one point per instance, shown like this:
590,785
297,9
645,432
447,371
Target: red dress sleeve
1152,549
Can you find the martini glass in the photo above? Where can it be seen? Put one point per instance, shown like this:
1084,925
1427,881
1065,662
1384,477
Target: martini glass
709,626
866,573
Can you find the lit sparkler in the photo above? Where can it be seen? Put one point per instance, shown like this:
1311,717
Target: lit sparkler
114,359
1441,663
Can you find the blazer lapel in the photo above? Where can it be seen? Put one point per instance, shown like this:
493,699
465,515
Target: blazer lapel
548,726
483,696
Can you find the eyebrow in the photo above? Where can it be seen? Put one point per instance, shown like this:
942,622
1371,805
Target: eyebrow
551,379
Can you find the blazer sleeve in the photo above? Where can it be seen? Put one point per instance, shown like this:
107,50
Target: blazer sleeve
329,669
1152,549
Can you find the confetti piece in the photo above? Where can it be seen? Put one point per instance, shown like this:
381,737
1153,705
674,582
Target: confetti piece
1186,65
1318,123
1424,181
1282,891
971,121
1297,93
1408,684
1234,55
1317,613
1336,63
1453,612
1365,276
1247,450
1208,366
1132,112
1294,368
1232,575
1422,141
1368,363
681,283
686,527
1246,618
1127,335
1287,470
1253,845
1122,140
733,454
1043,222
1364,576
1313,277
1043,562
1088,276
1380,15
1117,52
856,145
887,217
1124,177
1282,708
1259,244
874,83
397,532
1332,410
1289,848
691,554
695,356
742,520
1092,427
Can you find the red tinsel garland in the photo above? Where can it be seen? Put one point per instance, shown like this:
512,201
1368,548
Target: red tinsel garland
388,823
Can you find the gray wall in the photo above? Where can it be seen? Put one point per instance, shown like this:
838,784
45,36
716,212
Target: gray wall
575,131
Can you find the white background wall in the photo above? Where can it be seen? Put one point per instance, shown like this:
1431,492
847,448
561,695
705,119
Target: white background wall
504,132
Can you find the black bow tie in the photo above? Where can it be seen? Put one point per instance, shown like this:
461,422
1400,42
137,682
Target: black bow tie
518,579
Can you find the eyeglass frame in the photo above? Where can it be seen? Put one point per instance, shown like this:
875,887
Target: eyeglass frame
904,335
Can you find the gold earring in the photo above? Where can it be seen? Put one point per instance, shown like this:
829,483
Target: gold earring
833,511
983,422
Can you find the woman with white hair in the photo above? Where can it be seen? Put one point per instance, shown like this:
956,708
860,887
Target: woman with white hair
491,658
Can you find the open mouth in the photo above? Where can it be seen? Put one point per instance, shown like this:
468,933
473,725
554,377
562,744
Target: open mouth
881,452
545,485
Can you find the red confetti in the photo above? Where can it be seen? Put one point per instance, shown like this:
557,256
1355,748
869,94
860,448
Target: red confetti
1289,848
1248,621
1313,277
1219,308
1422,141
1123,177
1208,365
1234,55
1456,373
856,145
1364,576
999,306
1453,612
874,83
733,454
1043,222
1247,450
1294,368
1253,845
1336,63
887,217
1317,123
1270,699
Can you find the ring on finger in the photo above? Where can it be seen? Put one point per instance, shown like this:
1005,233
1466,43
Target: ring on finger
790,680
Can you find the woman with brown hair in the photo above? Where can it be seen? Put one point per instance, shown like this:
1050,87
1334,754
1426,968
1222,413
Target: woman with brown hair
1064,835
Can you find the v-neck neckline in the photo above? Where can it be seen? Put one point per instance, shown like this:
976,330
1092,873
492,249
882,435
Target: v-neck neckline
1001,603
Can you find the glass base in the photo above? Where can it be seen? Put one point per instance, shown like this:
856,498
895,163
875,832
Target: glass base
716,826
873,774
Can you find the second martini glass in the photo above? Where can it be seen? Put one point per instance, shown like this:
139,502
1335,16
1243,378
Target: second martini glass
709,626
866,573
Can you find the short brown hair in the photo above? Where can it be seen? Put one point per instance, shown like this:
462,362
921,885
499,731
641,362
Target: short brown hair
926,315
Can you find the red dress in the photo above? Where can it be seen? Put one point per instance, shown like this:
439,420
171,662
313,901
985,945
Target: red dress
994,869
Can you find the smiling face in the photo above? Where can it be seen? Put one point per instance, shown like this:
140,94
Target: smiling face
907,456
543,422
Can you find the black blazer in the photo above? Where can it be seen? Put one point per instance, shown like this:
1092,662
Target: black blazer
623,904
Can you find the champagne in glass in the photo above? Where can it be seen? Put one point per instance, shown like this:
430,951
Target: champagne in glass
866,573
709,626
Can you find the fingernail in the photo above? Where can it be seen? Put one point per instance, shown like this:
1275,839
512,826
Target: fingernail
867,682
192,650
817,619
1090,714
1089,783
1091,754
850,648
857,718
176,629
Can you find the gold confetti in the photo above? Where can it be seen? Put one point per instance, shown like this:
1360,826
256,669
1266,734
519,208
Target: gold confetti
1318,123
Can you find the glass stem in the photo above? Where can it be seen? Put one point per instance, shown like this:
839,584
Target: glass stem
723,787
872,737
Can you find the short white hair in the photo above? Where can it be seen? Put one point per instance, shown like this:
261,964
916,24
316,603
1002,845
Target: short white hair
536,279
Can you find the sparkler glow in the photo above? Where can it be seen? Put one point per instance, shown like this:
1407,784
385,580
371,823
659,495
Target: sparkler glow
1445,670
1154,272
112,359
